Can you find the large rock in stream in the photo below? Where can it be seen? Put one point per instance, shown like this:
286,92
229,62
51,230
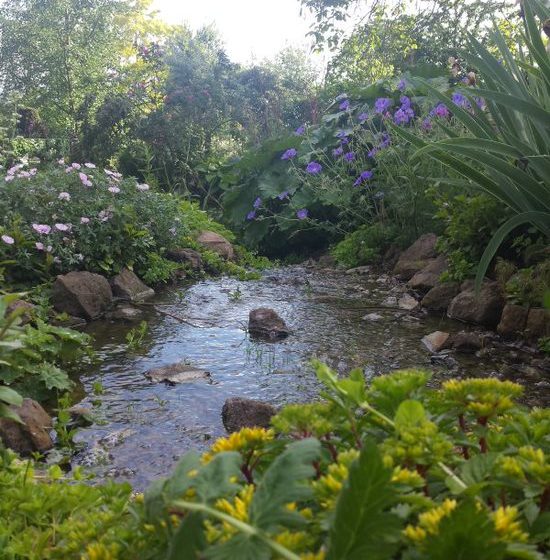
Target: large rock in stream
428,277
513,321
418,256
82,294
175,374
483,308
265,323
240,413
217,243
440,296
186,256
126,285
33,435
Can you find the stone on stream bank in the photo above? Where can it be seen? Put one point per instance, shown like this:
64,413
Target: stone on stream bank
440,296
33,435
126,313
512,321
240,413
436,341
81,294
428,277
126,285
175,374
217,243
186,256
483,308
25,309
417,257
265,323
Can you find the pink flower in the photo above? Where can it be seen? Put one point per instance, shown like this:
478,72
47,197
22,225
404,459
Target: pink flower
8,240
25,175
76,165
68,169
64,196
62,227
143,187
12,170
39,246
61,161
9,178
33,171
42,229
114,190
84,220
85,181
89,165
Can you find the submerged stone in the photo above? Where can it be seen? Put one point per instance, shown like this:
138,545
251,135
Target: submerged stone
240,413
266,323
175,374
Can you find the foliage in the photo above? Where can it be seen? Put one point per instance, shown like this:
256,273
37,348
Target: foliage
504,148
34,359
528,286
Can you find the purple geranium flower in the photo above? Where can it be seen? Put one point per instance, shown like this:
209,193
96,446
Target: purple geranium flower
251,215
372,152
365,176
386,141
350,156
289,154
62,227
461,101
314,168
257,202
382,104
302,214
337,152
441,111
402,85
42,229
362,117
283,195
427,124
300,130
344,106
405,102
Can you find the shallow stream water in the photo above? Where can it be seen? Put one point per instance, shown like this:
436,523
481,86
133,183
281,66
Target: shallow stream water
142,428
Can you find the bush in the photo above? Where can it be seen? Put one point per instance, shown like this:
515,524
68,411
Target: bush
64,218
393,471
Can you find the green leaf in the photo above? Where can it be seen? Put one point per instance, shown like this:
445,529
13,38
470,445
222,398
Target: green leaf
10,396
409,414
362,526
188,539
283,483
214,479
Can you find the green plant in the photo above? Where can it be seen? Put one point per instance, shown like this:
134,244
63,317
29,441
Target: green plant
135,336
504,148
527,286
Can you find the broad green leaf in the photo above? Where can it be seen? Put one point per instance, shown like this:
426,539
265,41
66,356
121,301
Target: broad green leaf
409,414
188,540
10,396
362,526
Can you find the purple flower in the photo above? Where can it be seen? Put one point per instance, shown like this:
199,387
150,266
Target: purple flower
405,102
42,229
400,117
14,169
257,202
480,102
289,154
461,101
84,220
62,227
350,156
344,106
402,85
39,246
84,179
337,152
441,111
9,178
362,117
64,196
8,240
114,190
300,130
76,165
427,124
251,215
386,141
382,104
365,176
372,152
341,134
313,168
283,195
302,214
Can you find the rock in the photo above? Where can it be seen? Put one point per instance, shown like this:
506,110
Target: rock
177,373
240,413
82,294
440,296
512,321
265,323
391,256
428,277
538,323
186,256
126,313
416,257
126,285
326,261
390,301
31,436
484,308
25,308
407,302
359,270
372,317
217,243
436,341
81,415
69,322
444,359
465,342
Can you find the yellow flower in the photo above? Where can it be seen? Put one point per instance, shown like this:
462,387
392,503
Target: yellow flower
98,551
416,534
428,522
239,508
510,466
245,439
313,555
507,527
406,476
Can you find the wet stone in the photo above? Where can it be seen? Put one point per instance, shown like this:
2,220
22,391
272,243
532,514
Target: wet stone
176,374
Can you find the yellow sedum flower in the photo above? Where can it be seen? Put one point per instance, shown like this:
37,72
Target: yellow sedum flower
237,508
428,522
408,477
507,526
313,555
98,551
243,440
328,486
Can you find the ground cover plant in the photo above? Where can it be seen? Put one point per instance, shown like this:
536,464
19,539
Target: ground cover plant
390,470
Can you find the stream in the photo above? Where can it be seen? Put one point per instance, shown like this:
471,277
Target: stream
141,429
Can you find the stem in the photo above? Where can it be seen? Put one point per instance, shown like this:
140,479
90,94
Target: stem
452,475
366,406
241,526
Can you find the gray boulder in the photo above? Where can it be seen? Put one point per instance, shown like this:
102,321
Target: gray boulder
265,323
436,341
33,435
440,296
81,294
186,256
512,321
538,323
240,413
175,374
416,257
217,243
428,277
483,308
126,285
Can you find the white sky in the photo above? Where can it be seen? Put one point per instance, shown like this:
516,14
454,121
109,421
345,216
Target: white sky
251,29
